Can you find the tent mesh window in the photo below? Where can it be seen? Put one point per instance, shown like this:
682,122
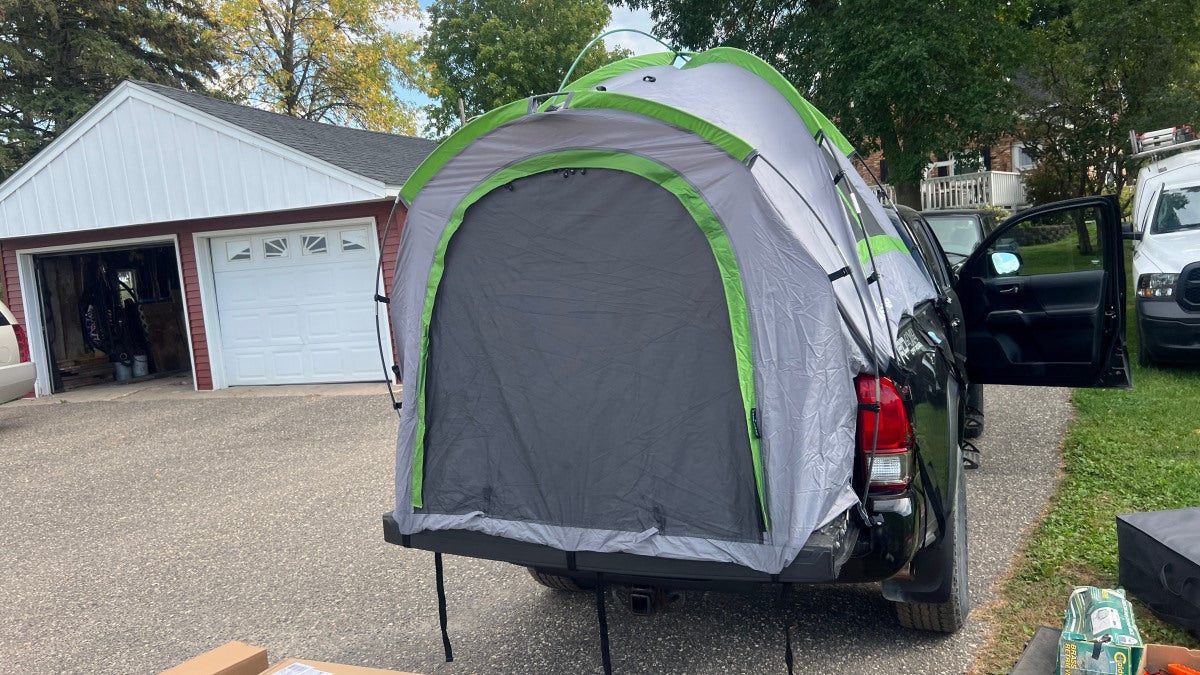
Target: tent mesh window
581,369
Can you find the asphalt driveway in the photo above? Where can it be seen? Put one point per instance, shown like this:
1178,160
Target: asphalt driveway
140,531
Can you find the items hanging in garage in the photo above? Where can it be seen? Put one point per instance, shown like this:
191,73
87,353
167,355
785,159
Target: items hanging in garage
114,313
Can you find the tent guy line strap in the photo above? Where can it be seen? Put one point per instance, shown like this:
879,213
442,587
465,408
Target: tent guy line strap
381,299
602,620
440,580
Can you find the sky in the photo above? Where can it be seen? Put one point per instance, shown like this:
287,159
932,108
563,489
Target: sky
622,17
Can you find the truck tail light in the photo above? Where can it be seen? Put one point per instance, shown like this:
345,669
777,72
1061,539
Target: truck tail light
883,426
22,343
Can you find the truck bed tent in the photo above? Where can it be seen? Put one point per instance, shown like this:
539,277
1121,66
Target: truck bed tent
630,315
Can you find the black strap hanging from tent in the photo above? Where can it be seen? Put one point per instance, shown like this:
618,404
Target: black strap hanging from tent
602,618
441,593
781,604
787,647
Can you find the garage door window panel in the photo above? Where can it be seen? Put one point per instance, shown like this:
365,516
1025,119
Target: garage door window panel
275,248
315,244
238,251
353,240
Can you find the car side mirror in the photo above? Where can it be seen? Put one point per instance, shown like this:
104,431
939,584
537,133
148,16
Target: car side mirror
1006,262
1128,233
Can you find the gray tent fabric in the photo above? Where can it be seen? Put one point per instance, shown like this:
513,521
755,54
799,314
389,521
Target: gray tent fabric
481,434
594,292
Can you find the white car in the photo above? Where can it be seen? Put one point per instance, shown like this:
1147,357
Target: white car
1166,257
16,370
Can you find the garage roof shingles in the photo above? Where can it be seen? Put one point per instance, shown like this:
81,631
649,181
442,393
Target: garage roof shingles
388,158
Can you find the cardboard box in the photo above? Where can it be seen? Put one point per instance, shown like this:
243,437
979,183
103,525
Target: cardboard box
1159,656
231,658
1039,655
303,667
1099,636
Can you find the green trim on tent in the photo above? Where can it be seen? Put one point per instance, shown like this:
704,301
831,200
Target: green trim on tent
814,119
619,67
453,145
735,298
880,244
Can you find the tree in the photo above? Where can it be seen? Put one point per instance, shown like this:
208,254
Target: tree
328,60
1097,69
912,78
491,52
59,57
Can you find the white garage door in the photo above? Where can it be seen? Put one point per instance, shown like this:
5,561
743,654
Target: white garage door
297,306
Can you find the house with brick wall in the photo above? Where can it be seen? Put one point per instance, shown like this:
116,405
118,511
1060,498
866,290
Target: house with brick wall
182,233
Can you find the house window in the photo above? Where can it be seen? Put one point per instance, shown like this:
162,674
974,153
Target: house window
314,244
238,251
275,248
883,171
354,240
1022,159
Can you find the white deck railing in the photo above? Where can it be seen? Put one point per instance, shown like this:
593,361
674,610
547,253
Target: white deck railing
974,190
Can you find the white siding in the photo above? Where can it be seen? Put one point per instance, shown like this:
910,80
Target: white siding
141,158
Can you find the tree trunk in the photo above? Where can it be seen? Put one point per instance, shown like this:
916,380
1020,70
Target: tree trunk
1081,228
908,193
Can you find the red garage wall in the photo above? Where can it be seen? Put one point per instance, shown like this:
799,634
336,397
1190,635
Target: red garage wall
183,230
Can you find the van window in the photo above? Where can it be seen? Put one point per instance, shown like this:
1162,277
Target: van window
1178,209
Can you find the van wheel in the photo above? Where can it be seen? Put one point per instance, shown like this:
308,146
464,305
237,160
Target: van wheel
557,581
945,617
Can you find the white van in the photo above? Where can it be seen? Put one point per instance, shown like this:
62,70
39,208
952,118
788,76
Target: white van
1166,257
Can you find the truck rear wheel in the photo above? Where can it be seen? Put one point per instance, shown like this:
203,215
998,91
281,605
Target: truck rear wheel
557,582
948,616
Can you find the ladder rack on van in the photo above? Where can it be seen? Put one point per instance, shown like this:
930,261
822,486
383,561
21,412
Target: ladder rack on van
1162,141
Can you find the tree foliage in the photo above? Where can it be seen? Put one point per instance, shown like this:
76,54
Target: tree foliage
59,57
492,52
1098,69
339,61
913,78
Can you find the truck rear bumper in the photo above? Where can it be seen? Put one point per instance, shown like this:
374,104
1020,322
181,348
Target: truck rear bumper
821,559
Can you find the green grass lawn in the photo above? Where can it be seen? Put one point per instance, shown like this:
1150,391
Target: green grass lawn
1125,451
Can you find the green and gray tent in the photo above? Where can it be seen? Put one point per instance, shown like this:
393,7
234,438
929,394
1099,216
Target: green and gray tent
629,317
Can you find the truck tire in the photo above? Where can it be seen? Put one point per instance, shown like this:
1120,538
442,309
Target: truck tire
557,581
1144,358
945,617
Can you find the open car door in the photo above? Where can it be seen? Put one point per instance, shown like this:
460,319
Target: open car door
1044,298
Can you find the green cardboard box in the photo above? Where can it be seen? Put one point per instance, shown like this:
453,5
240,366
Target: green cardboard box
1099,635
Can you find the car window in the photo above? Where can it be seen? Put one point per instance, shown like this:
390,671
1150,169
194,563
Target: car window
906,235
1050,244
957,234
1178,210
932,252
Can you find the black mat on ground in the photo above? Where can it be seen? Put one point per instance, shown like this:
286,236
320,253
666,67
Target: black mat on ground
1160,563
